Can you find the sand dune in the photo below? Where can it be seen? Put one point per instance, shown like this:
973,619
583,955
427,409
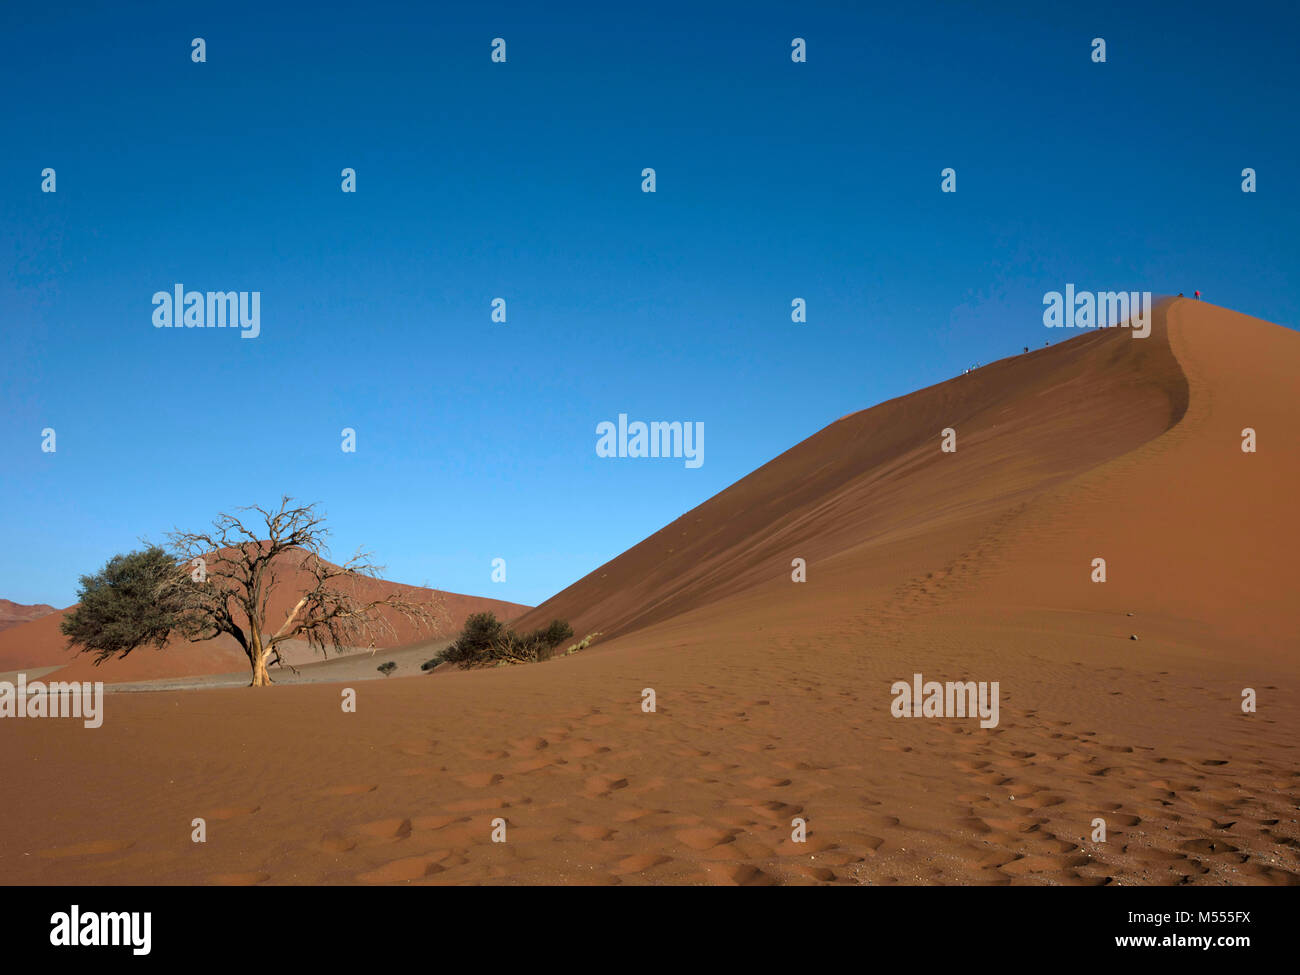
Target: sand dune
12,614
773,697
877,477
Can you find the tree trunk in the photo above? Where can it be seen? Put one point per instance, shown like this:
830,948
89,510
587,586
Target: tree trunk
261,678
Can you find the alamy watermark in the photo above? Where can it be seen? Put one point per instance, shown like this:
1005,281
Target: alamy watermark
76,928
953,699
656,439
57,699
179,308
1101,309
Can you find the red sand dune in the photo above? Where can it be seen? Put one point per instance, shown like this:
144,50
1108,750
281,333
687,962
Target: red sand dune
41,644
773,697
876,479
11,613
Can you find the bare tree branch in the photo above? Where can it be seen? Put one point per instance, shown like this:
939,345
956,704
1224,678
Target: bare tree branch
241,564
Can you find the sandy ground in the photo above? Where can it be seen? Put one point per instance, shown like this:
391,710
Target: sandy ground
773,697
351,666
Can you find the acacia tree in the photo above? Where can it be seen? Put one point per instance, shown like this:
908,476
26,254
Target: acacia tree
119,607
222,581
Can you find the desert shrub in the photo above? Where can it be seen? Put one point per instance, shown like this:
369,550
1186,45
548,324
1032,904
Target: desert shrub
556,633
512,647
541,643
431,663
481,631
583,645
386,668
486,641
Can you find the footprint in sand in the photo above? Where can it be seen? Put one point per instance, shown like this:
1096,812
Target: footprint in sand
346,790
531,744
584,749
738,874
632,813
436,822
766,782
820,874
1039,801
637,863
1035,863
479,780
95,848
534,765
813,845
770,809
1015,824
744,823
602,785
706,838
238,879
594,833
475,805
231,812
406,869
415,747
387,829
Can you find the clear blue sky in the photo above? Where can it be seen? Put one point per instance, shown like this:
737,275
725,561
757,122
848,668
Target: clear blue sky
522,180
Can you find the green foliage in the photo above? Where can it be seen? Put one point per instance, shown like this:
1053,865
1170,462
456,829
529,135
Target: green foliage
556,633
136,600
486,640
386,668
478,642
481,631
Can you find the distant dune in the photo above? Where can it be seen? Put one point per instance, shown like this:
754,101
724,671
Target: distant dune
1121,701
41,644
11,613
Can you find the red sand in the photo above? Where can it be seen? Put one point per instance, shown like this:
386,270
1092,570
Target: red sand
774,696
